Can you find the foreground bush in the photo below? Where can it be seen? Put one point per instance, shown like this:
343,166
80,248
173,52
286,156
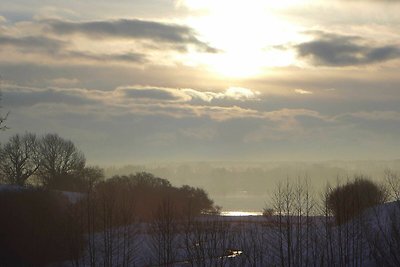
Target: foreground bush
349,200
35,229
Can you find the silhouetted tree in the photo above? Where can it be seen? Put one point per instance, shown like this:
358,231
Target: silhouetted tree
80,180
392,181
150,191
19,158
294,206
164,233
90,176
351,199
268,212
344,235
197,199
60,160
252,243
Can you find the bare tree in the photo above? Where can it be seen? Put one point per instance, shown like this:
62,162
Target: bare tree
89,177
293,228
194,239
392,180
327,237
60,160
253,245
164,233
19,158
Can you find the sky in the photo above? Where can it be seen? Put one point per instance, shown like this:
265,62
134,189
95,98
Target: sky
186,80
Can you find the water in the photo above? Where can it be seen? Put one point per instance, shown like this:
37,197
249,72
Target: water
241,213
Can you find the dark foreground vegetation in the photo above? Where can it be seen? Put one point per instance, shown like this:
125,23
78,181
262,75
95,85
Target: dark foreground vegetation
54,204
59,212
43,226
105,227
33,228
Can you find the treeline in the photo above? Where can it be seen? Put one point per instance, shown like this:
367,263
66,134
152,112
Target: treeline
56,206
349,224
49,161
54,163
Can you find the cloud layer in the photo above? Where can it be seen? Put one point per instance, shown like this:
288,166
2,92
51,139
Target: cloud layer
124,41
342,50
148,80
132,29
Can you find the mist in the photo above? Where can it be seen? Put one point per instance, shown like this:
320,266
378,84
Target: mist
248,186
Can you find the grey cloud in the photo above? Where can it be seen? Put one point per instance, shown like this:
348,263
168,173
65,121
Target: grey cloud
59,49
15,96
101,76
132,29
376,115
383,124
339,50
35,43
128,57
229,97
140,100
227,130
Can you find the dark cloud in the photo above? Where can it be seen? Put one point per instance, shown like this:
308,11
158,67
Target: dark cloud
132,29
59,49
127,57
32,43
338,50
15,96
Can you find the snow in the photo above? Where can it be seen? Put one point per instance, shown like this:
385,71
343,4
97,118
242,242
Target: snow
11,188
251,240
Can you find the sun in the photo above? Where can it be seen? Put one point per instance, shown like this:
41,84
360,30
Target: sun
247,33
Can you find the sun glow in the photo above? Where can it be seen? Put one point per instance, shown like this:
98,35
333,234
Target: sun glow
248,35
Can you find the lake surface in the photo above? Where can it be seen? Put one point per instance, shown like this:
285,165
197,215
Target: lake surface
241,213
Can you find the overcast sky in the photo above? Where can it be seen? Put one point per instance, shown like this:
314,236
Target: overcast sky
157,80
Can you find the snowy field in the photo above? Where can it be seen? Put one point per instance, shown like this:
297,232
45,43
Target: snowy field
368,240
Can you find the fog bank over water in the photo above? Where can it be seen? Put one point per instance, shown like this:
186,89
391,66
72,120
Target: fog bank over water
248,186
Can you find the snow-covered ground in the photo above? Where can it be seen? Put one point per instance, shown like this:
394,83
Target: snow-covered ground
371,239
252,241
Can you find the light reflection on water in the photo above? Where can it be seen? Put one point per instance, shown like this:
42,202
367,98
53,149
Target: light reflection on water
241,213
234,253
